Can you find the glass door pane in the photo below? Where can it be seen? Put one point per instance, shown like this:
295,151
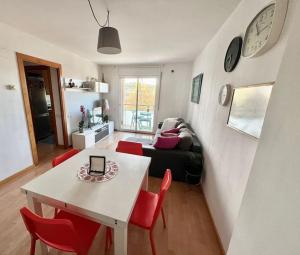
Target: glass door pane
129,88
147,88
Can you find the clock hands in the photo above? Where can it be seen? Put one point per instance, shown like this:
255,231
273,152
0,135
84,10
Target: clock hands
229,58
264,28
258,30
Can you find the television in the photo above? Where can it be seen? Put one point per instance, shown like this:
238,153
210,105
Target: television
248,108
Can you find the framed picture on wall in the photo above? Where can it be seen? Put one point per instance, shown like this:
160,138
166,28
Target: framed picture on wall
196,88
248,108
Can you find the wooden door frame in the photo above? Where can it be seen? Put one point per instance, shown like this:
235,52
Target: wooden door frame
21,58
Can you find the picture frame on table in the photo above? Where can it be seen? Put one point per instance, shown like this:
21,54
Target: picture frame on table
97,165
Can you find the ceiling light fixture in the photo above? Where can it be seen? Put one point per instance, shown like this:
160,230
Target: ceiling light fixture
108,38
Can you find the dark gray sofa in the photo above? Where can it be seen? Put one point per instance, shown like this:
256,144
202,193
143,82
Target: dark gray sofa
185,165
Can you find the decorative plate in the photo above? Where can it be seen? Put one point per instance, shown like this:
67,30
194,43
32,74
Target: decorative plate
110,172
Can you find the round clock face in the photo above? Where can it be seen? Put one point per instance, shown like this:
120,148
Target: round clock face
258,32
233,54
224,94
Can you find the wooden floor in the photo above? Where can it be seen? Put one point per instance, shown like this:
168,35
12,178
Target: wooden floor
189,229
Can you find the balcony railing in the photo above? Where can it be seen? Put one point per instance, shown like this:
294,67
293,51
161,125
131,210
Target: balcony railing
141,119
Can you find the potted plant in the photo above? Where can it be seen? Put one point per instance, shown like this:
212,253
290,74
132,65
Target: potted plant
81,123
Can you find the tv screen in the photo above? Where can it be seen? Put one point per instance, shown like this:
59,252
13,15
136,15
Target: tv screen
248,108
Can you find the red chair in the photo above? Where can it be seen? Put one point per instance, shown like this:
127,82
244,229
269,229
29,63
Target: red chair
61,158
130,148
66,232
148,207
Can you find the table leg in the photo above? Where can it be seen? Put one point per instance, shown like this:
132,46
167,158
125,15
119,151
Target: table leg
36,207
120,240
145,182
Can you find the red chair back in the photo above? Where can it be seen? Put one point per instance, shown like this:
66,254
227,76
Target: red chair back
130,148
61,158
57,233
165,185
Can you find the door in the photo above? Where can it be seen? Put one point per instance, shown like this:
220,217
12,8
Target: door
39,108
139,103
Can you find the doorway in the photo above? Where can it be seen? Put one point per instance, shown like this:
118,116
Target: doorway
139,104
44,105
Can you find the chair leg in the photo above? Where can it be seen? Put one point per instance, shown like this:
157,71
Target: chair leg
55,212
110,237
152,243
32,248
163,216
108,241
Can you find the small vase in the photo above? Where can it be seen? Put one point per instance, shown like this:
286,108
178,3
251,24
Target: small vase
80,129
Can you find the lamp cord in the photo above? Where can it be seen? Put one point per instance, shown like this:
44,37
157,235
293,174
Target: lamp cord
107,17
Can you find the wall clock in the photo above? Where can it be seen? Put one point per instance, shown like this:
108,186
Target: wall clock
264,30
224,94
233,54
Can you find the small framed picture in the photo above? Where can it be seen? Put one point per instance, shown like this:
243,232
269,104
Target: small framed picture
97,165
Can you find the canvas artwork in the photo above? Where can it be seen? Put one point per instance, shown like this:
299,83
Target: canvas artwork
248,109
196,88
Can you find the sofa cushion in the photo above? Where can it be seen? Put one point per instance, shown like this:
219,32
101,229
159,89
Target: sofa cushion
186,141
166,142
168,124
173,131
179,121
169,134
182,125
186,130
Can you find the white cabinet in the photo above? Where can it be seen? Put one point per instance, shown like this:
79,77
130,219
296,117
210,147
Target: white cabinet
111,127
90,136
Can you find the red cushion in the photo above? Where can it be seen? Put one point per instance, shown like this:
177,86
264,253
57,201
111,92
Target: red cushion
169,134
166,142
173,130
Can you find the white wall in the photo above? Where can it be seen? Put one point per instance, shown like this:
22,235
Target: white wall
268,222
174,91
15,152
73,101
174,88
229,154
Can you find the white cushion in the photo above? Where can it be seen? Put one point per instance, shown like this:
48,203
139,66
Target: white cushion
168,123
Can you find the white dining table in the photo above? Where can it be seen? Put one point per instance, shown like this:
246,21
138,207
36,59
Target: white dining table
109,203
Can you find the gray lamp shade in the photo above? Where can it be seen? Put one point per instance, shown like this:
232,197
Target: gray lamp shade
108,41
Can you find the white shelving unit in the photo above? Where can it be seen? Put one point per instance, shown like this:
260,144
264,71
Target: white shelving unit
90,136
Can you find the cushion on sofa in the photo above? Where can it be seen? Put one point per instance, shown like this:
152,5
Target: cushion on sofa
181,125
173,131
186,129
179,121
186,141
168,124
166,142
169,134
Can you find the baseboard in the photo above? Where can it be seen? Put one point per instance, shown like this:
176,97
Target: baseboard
16,175
214,225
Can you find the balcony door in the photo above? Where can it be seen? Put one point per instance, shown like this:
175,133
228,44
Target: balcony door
139,103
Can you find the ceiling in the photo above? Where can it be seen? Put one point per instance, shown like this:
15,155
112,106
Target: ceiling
151,31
